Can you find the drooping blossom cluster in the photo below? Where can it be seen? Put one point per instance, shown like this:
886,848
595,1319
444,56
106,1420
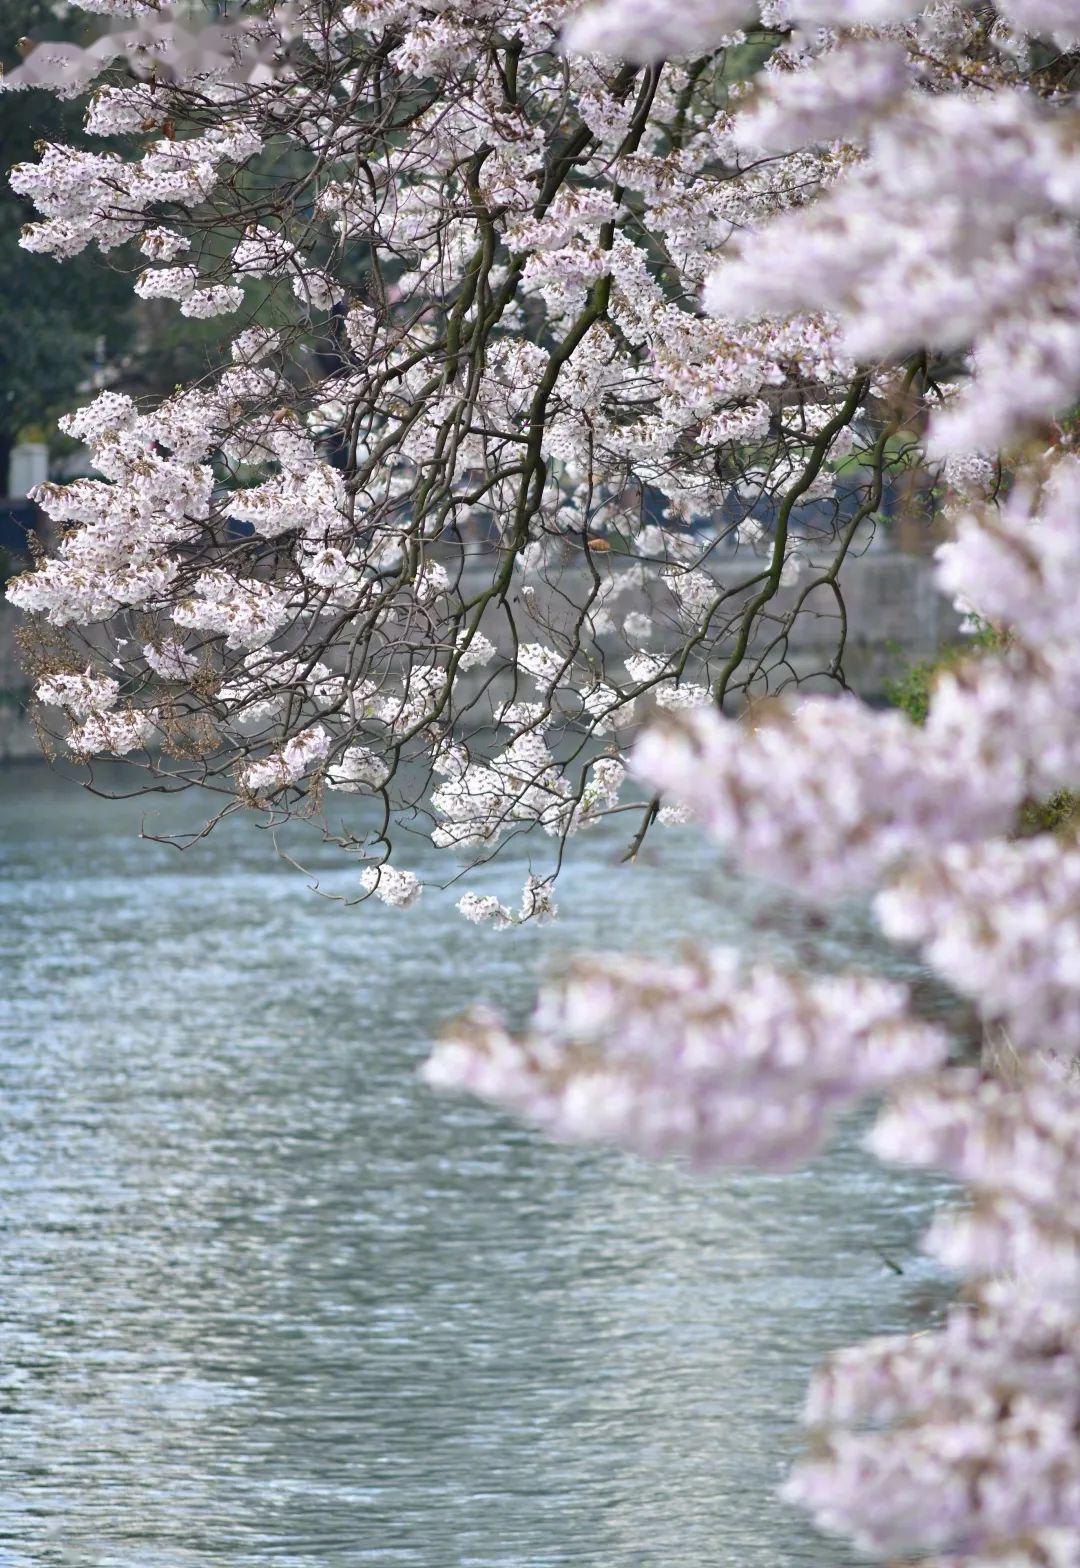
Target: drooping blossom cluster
396,888
963,1442
557,349
971,253
827,795
537,904
683,1058
476,480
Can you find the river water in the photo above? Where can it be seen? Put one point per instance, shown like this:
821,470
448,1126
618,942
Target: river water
267,1303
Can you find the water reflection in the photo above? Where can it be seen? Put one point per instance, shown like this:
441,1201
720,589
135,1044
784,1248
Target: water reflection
266,1302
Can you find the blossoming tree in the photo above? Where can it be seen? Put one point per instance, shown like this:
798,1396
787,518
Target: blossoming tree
477,475
508,313
951,228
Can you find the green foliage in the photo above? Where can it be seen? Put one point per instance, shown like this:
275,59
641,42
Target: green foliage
54,322
59,320
1060,813
911,693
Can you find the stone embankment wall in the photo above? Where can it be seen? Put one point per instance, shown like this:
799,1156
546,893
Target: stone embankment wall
895,618
18,743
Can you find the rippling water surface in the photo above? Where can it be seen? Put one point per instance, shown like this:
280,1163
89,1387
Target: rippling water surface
267,1302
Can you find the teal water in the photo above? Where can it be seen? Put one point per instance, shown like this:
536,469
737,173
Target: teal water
267,1303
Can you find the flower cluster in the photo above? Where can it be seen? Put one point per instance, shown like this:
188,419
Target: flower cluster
1001,922
973,1427
398,889
485,909
825,796
716,1061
